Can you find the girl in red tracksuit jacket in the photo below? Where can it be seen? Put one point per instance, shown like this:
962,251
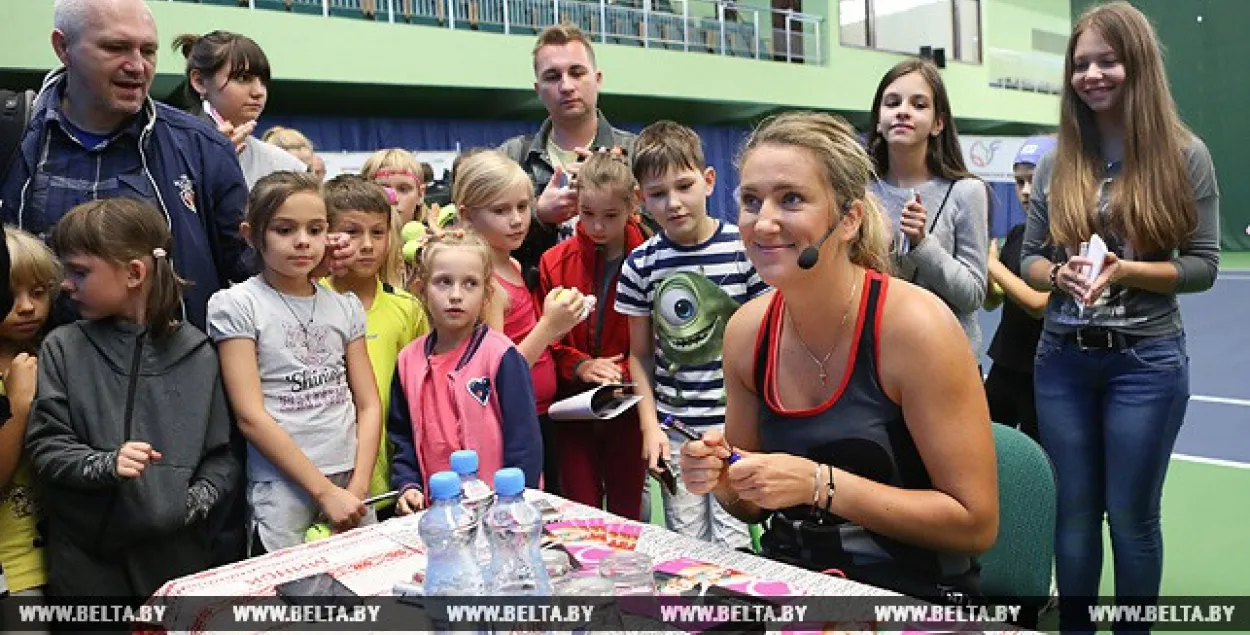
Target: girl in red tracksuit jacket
598,457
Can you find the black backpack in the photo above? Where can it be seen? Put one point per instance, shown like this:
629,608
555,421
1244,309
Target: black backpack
15,110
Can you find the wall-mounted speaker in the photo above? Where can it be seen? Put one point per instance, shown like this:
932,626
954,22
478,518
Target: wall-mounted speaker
935,55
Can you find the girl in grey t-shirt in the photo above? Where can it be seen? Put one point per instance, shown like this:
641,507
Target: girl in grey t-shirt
297,372
940,211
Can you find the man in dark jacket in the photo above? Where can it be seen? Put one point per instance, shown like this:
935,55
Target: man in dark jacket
95,133
567,81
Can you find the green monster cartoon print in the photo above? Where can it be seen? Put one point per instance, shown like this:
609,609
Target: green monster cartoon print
690,314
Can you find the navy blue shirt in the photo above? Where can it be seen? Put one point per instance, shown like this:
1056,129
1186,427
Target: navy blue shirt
76,167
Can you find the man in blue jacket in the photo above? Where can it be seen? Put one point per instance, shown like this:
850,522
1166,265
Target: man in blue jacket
95,133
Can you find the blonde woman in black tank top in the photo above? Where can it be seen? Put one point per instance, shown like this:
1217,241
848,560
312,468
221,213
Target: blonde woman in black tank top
853,399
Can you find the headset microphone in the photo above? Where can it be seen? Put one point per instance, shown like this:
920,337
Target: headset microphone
809,255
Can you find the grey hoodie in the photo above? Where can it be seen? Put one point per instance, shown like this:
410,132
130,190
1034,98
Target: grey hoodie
88,372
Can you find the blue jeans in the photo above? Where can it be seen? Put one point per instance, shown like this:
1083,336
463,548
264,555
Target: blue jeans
1109,419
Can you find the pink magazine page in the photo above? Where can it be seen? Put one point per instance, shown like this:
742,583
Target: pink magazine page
684,574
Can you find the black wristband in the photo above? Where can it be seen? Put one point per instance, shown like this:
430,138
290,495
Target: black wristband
829,500
1054,276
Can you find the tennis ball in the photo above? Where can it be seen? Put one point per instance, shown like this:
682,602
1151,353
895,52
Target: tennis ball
319,531
446,216
412,230
410,250
998,289
560,294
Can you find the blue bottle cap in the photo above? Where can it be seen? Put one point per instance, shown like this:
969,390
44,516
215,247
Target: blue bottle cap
510,481
444,485
464,462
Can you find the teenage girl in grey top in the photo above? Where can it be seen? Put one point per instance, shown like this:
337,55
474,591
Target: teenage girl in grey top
1112,370
941,234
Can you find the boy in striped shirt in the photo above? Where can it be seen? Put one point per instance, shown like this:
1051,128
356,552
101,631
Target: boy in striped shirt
678,290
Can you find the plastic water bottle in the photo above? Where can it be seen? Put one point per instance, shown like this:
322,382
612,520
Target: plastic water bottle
477,497
477,494
448,531
514,528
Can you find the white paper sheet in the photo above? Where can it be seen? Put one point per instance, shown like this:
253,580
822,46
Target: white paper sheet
602,402
1097,254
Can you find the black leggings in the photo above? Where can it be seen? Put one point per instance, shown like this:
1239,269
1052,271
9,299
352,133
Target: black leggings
551,455
1010,396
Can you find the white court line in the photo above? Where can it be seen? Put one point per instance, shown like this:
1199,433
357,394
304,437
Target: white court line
1207,460
1227,401
1189,458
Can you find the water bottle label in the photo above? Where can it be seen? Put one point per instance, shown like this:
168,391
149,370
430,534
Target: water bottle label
476,491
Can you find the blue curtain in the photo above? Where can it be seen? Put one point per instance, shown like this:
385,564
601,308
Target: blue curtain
365,134
720,146
1005,209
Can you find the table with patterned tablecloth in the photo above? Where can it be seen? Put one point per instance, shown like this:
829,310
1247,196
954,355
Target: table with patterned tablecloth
370,560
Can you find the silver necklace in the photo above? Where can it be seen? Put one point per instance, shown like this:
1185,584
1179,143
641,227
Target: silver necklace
824,375
311,315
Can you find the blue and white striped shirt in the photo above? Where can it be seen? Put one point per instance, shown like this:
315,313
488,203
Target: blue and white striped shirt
693,394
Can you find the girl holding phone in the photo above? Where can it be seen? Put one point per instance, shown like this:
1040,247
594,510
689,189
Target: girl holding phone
227,80
939,209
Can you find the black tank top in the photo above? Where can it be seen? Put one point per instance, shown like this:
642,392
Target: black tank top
859,430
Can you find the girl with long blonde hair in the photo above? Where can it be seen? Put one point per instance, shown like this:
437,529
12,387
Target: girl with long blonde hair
1112,374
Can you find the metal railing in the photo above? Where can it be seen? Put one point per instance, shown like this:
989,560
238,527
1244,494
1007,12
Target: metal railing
719,27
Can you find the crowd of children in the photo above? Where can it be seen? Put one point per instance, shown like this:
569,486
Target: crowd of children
353,384
347,386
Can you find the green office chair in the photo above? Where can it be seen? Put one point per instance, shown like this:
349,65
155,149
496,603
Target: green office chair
1019,563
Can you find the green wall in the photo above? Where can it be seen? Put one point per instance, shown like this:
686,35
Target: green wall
1008,24
396,67
1206,69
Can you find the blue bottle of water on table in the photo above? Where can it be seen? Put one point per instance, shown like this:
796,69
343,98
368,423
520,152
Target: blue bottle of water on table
514,528
449,532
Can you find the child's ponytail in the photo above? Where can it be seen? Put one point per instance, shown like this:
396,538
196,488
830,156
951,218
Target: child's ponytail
164,309
609,172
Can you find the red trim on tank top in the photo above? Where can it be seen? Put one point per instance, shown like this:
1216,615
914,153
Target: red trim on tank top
773,398
773,326
759,337
876,328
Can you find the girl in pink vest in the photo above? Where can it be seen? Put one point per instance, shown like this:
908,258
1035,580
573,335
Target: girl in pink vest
494,197
463,386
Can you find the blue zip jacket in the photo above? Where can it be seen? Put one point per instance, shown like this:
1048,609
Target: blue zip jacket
185,167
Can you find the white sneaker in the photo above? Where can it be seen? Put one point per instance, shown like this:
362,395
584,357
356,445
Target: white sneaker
1053,603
